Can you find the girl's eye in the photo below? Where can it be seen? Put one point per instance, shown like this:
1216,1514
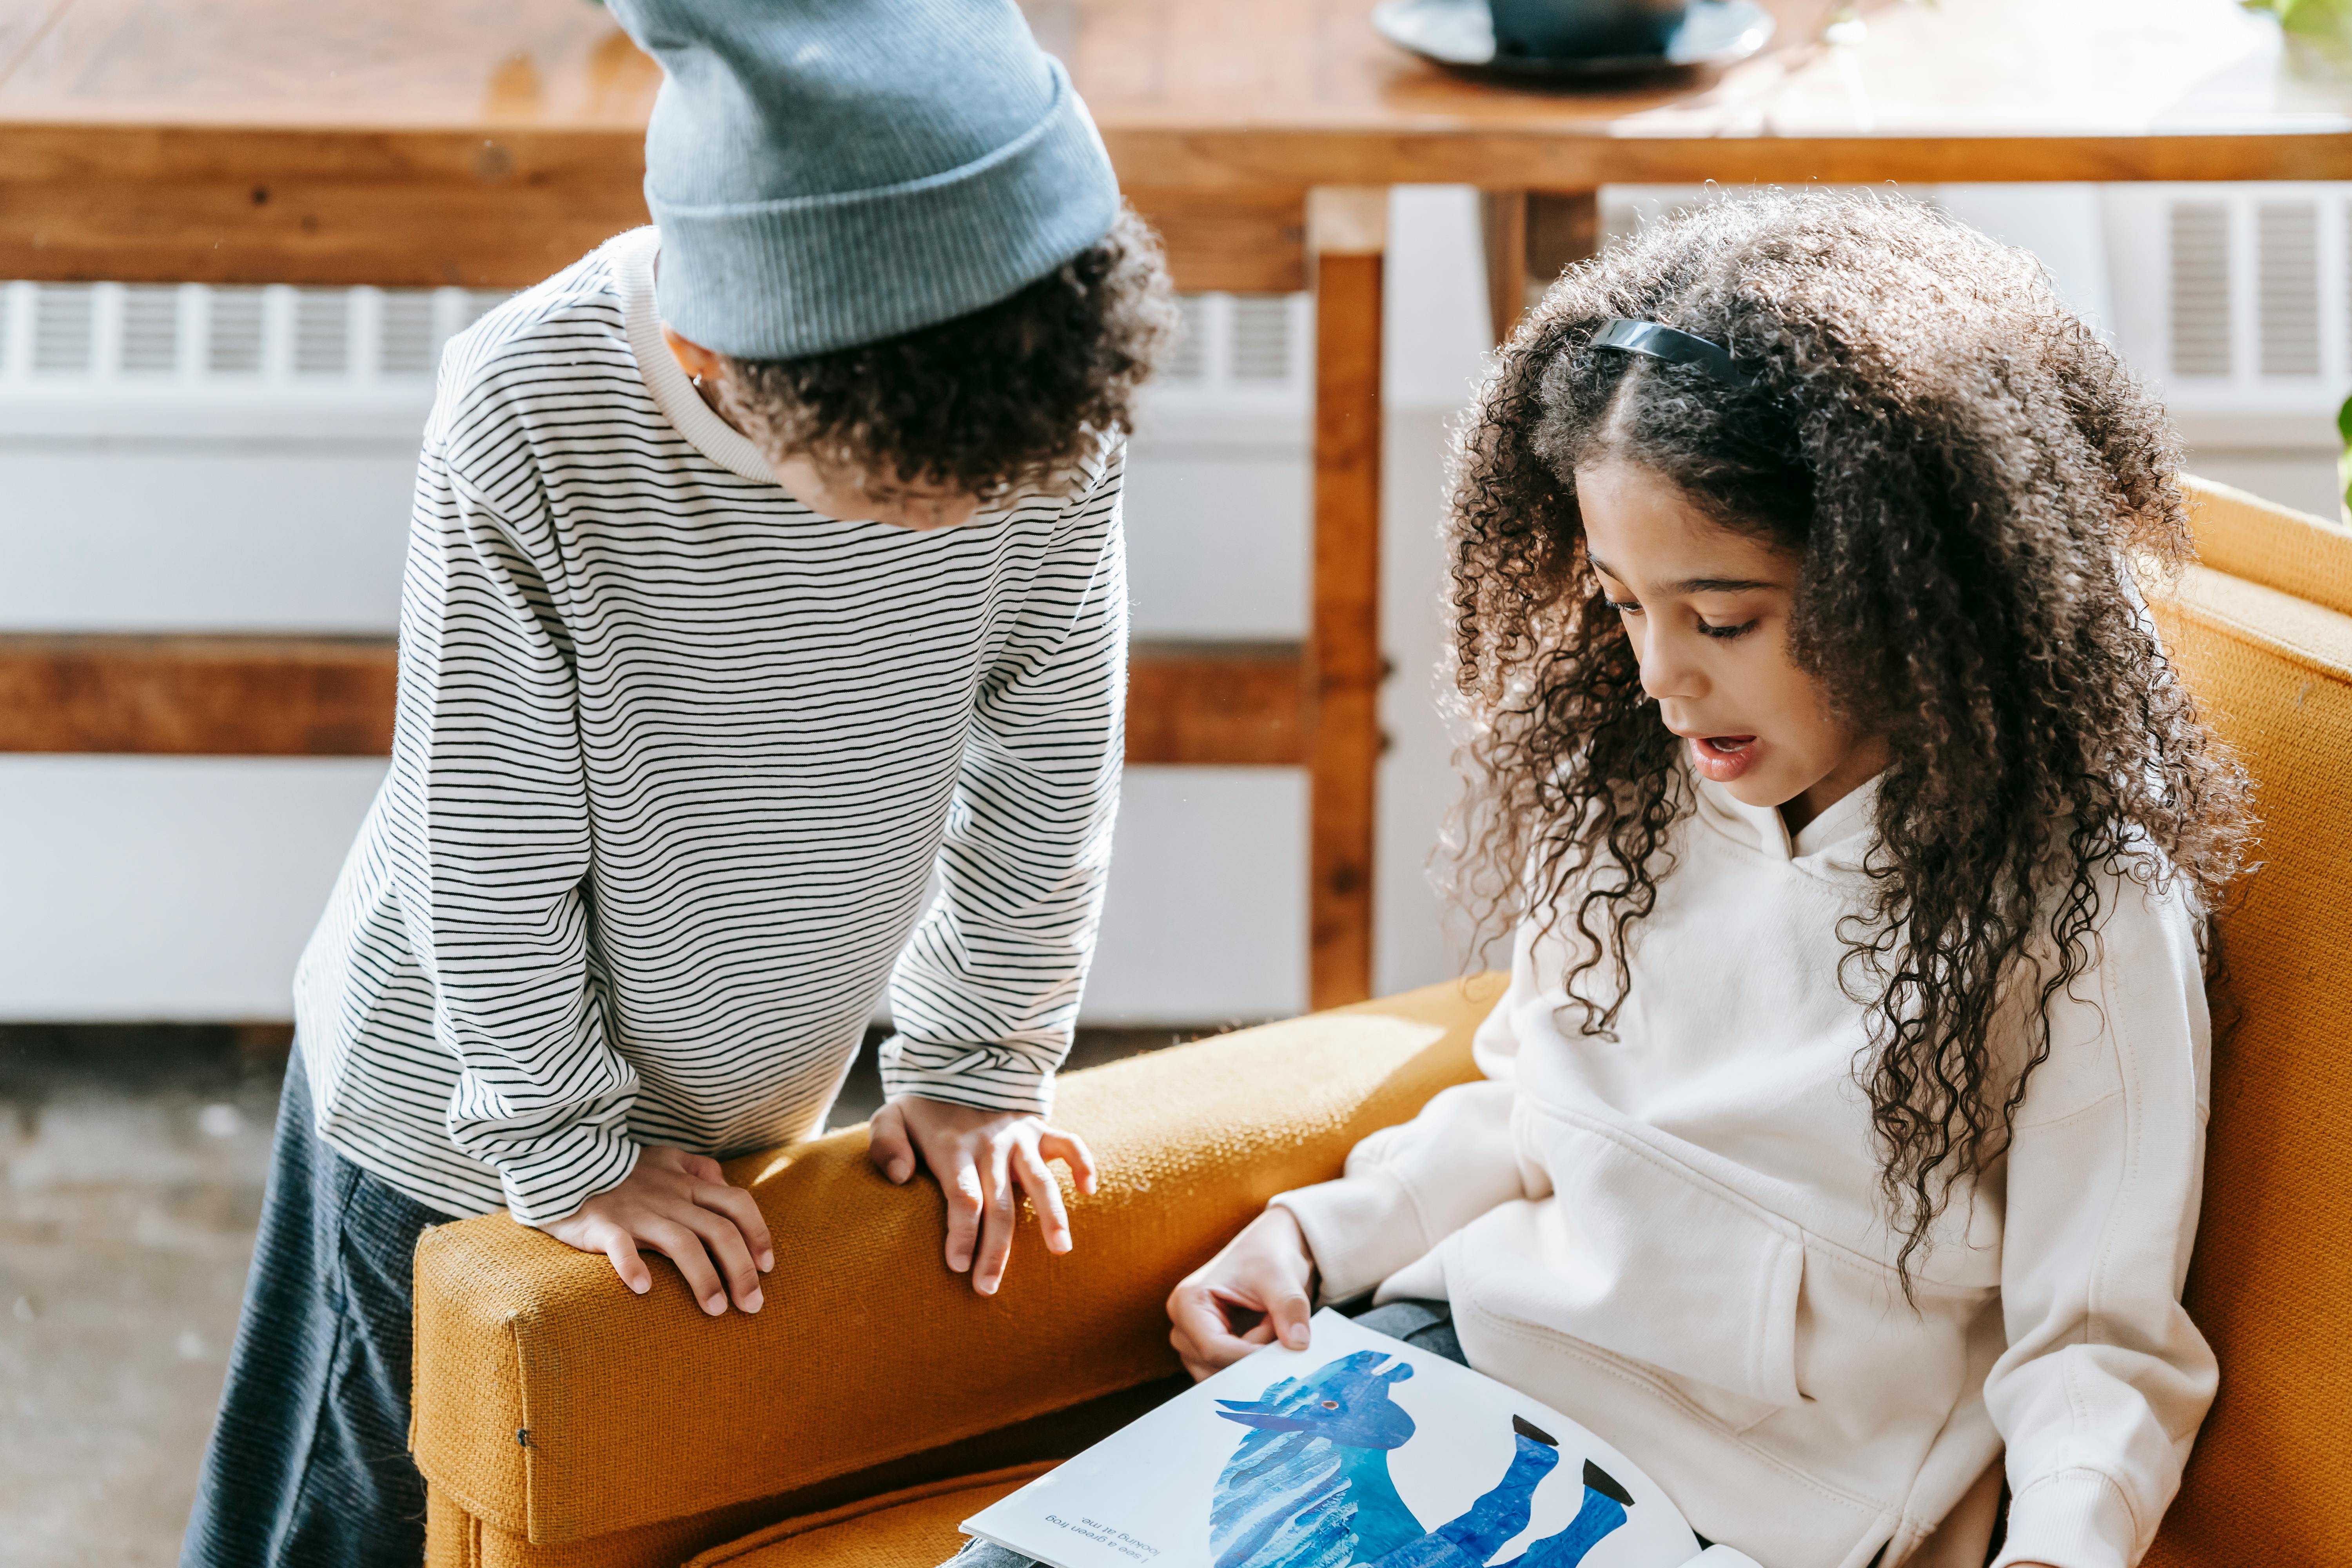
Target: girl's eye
1726,633
1624,606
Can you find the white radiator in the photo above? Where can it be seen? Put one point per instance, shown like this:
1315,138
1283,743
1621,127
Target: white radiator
281,361
184,458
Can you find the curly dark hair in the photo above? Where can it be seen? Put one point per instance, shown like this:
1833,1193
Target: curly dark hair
1961,469
1013,396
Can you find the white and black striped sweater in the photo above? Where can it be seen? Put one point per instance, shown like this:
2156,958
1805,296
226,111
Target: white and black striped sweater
675,764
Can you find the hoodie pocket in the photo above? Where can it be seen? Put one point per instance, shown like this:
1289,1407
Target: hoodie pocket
1638,1255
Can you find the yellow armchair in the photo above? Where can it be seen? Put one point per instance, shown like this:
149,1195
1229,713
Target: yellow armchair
562,1423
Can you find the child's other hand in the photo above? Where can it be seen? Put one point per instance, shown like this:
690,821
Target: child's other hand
1262,1284
681,1206
984,1161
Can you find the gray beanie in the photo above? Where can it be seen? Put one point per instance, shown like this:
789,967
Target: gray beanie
828,173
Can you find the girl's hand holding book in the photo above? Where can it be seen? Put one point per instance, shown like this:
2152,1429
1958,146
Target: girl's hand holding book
985,1160
1262,1284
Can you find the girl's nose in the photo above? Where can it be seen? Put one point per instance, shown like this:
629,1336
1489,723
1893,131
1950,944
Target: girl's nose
1668,673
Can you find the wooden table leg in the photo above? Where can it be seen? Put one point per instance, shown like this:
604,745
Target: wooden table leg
1503,225
1348,235
1532,236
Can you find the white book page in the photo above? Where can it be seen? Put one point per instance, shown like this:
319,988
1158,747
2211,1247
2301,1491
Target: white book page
1356,1450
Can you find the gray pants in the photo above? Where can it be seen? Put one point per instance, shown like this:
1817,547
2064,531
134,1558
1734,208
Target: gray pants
1425,1325
309,1461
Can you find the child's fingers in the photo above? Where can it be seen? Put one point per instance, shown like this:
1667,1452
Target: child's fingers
724,1242
1045,1195
1194,1367
997,1219
1070,1149
961,1187
685,1249
888,1146
622,1250
1201,1326
1289,1311
743,1209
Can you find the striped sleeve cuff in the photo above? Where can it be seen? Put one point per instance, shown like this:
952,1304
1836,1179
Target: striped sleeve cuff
2071,1519
984,1078
552,1178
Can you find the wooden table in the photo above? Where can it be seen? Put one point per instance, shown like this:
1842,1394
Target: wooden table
451,142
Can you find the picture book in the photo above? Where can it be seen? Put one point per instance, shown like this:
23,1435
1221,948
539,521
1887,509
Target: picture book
1356,1450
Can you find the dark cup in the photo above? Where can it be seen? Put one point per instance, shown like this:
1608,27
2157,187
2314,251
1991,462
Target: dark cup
1569,30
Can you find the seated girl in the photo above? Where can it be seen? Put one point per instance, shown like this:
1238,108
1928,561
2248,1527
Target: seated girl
1843,1125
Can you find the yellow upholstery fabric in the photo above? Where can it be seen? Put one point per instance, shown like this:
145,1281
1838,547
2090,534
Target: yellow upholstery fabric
2246,537
913,1525
555,1409
914,1528
2268,650
455,1536
456,1539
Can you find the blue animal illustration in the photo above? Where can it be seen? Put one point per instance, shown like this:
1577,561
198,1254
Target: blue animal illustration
1309,1487
1468,1541
1604,1507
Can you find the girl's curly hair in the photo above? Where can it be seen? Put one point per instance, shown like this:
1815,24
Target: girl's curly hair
1013,396
1962,469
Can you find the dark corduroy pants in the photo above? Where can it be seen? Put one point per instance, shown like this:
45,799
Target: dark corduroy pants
308,1460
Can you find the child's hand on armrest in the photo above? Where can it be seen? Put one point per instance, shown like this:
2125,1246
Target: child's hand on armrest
1262,1284
680,1206
979,1157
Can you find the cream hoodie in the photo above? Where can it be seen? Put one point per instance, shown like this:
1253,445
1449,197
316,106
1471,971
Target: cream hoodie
1675,1236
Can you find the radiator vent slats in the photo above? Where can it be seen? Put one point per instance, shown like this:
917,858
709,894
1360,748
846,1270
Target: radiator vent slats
1261,337
405,338
1189,360
62,329
153,334
186,336
2201,289
234,346
2258,291
151,330
2286,287
322,331
1248,344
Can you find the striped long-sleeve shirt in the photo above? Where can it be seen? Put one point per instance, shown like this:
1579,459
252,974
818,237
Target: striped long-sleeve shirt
685,773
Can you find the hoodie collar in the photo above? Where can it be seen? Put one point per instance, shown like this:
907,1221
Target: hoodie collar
1838,840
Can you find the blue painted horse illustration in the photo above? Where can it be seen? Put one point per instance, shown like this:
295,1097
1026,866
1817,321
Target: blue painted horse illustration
1468,1542
1605,1502
1310,1488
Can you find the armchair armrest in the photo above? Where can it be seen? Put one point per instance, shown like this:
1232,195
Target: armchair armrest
555,1405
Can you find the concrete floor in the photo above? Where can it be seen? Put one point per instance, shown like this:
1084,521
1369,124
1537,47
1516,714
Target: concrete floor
132,1164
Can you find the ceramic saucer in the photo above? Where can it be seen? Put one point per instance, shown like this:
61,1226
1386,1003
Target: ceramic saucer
1461,34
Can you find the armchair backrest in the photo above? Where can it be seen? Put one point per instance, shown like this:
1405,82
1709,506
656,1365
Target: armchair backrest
2262,633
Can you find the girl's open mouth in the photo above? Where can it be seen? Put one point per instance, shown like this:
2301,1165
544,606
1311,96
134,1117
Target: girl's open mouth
1723,758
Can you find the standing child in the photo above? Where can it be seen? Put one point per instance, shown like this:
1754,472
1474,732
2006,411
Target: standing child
762,645
1843,1121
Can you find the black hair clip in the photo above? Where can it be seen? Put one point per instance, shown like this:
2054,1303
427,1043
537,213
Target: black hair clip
1673,345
